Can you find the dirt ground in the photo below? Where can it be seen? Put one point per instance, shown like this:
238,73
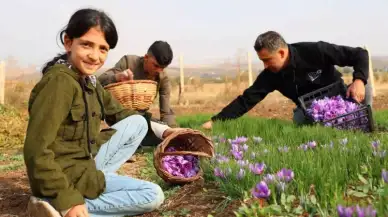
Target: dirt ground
197,199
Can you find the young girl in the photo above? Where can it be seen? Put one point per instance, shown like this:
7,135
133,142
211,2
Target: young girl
71,165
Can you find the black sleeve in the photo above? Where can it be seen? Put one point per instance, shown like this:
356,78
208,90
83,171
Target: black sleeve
356,57
251,96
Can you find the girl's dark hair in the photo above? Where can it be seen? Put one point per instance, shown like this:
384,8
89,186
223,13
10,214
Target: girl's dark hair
80,23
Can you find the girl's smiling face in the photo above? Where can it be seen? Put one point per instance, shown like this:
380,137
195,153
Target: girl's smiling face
88,52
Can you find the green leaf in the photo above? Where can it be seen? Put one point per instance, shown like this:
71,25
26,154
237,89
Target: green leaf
313,199
276,209
365,189
358,194
298,210
362,179
291,198
283,199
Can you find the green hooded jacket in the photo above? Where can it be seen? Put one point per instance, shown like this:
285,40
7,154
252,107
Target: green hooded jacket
58,154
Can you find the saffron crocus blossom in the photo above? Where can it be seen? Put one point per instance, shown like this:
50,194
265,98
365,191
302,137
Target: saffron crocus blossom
238,140
261,190
219,173
245,147
312,144
329,108
238,155
384,174
221,159
303,147
283,149
257,168
376,144
269,178
345,211
285,175
243,163
365,211
240,174
182,166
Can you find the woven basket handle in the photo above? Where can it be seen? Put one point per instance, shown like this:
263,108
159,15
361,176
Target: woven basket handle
198,153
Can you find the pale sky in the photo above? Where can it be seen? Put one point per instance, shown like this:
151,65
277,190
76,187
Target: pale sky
202,30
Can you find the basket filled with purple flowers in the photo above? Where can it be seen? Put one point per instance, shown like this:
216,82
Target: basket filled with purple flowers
329,107
176,159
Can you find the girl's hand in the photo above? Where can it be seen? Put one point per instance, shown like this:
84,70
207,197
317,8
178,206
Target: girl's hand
78,211
170,131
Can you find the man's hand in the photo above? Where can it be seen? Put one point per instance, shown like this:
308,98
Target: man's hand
125,75
208,125
170,131
356,90
78,211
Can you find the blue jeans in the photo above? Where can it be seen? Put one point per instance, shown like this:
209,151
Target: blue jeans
123,196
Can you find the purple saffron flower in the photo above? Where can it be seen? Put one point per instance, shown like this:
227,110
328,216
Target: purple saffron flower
261,190
238,155
235,147
245,147
345,211
269,178
219,173
312,144
376,144
243,163
285,175
240,174
222,159
303,147
384,174
365,211
238,140
283,149
257,168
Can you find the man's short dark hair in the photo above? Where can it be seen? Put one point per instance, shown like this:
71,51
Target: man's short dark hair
270,40
162,52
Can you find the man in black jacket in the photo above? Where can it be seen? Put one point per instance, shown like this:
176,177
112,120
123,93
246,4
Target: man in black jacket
297,69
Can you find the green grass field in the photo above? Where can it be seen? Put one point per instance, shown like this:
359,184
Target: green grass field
342,169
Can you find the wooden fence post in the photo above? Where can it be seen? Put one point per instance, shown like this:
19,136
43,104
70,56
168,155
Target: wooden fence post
182,79
250,69
2,82
371,74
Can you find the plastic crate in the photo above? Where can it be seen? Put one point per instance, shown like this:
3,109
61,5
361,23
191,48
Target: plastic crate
361,119
335,89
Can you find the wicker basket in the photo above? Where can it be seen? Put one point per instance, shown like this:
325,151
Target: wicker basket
186,142
134,94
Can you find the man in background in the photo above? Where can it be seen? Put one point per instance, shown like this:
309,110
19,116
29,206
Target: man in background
297,69
148,67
